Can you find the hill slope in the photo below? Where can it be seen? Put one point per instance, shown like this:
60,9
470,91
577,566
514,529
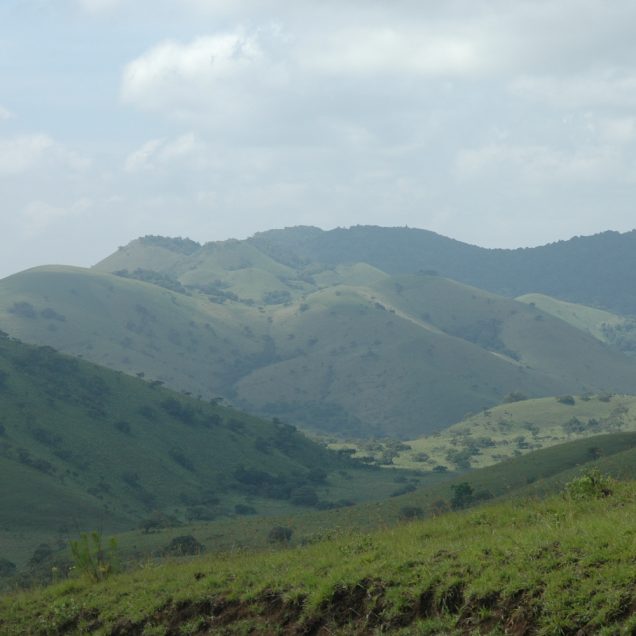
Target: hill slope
358,353
559,566
514,429
618,331
592,270
346,350
82,447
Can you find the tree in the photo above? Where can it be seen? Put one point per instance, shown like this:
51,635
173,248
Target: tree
280,534
462,495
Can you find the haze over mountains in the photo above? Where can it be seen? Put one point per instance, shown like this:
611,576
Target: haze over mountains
358,331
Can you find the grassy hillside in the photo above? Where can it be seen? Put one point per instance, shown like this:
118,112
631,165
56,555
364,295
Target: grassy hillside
539,473
512,429
619,331
82,447
346,350
560,566
591,270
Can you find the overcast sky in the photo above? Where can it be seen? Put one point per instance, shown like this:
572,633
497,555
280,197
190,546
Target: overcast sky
498,122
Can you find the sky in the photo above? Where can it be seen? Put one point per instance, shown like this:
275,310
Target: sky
502,123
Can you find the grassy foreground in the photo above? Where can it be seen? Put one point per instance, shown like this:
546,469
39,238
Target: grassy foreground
558,566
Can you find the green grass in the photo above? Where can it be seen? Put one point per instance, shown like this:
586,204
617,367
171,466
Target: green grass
545,567
510,430
540,473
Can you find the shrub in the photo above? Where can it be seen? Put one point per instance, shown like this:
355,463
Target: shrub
242,509
590,485
514,396
411,512
462,495
122,426
303,496
24,310
566,399
91,558
185,545
7,568
280,534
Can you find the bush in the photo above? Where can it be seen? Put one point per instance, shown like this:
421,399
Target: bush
242,509
462,495
303,496
590,485
185,545
514,396
408,513
566,399
7,568
280,534
90,557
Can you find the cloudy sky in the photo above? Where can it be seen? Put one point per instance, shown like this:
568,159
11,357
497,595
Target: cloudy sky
497,122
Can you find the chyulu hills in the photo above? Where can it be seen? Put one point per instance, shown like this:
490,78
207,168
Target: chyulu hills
363,340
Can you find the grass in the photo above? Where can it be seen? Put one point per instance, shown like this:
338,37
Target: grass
544,567
538,474
84,447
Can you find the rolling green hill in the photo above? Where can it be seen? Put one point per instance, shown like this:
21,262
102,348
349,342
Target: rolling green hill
539,473
618,331
592,270
560,566
347,349
83,447
514,429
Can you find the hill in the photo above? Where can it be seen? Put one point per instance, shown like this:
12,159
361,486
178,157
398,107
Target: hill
555,566
618,331
349,349
82,447
539,473
591,270
509,430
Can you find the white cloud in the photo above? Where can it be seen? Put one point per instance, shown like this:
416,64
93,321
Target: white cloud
5,113
617,130
610,87
176,153
20,154
38,215
537,164
25,152
387,49
209,76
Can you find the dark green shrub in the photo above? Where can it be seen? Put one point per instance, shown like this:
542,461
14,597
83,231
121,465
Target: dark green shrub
242,509
408,513
7,568
280,535
303,496
185,545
